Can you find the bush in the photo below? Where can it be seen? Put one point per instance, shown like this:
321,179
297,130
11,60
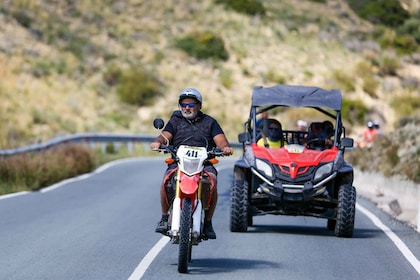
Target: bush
407,105
250,7
273,77
203,46
364,68
112,75
411,27
387,12
405,44
32,171
389,65
138,87
370,85
345,80
354,111
225,77
382,157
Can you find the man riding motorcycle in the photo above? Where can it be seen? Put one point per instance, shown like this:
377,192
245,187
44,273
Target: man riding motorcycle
190,126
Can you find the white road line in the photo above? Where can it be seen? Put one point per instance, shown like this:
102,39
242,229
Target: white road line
394,238
13,194
148,259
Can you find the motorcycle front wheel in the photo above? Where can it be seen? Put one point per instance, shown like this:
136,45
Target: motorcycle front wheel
184,236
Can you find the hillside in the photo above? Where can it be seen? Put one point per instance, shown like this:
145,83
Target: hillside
54,56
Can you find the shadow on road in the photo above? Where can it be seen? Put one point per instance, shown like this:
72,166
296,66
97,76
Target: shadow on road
211,266
310,230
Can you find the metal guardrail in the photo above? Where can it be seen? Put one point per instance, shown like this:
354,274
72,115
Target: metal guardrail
90,138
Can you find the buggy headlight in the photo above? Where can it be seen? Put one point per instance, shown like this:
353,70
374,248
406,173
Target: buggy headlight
263,166
323,171
249,156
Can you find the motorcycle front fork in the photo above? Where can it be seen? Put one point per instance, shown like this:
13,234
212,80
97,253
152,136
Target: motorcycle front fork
198,214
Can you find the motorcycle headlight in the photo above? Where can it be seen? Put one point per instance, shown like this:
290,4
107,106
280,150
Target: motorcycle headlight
323,171
264,167
191,165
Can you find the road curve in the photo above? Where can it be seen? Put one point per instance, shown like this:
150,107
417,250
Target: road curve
101,226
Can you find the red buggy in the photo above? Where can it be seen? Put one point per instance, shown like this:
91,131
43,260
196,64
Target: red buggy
302,178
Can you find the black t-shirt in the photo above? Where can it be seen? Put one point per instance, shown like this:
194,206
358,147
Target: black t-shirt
199,132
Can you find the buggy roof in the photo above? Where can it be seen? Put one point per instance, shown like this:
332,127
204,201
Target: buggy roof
296,96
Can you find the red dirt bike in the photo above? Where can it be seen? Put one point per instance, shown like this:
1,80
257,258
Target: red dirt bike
189,189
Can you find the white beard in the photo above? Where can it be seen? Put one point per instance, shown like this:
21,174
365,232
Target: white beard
190,115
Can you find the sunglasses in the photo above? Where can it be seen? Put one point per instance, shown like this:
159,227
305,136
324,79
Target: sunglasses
191,105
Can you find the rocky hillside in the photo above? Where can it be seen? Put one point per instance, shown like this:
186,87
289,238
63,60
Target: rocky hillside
56,56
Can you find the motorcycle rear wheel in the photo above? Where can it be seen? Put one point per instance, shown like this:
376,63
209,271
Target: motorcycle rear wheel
184,236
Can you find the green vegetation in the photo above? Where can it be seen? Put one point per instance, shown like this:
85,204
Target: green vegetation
136,86
389,65
34,171
271,76
390,17
344,79
406,105
388,156
250,7
386,12
371,159
226,78
412,27
354,111
204,45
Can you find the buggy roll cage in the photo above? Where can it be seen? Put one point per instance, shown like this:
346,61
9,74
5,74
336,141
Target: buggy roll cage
290,96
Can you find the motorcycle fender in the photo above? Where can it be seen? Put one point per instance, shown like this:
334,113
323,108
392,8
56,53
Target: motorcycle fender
189,185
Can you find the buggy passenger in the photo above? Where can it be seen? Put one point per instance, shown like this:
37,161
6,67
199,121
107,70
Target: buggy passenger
272,134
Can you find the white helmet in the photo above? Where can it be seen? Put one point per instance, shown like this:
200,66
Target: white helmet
190,93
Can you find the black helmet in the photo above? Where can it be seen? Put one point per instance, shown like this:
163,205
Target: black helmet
190,93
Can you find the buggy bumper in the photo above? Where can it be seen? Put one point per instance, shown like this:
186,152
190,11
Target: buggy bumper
285,191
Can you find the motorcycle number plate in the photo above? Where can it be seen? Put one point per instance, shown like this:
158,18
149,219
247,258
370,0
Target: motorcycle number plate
194,152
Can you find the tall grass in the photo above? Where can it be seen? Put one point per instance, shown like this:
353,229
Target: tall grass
36,170
33,171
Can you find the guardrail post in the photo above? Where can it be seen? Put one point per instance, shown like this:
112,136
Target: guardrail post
130,147
418,217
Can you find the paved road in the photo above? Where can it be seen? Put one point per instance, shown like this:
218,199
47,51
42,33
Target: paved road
101,226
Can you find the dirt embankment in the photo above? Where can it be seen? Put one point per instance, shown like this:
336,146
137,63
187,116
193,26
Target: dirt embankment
394,195
389,172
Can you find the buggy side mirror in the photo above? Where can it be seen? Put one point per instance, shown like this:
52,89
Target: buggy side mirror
244,137
347,142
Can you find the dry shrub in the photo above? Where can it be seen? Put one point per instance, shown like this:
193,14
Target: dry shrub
33,171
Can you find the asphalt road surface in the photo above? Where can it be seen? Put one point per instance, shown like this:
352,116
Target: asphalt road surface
101,226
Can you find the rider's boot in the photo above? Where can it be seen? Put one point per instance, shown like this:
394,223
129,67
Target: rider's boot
163,226
208,230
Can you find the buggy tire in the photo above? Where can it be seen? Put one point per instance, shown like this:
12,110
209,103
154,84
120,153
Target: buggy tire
346,210
331,224
184,236
239,217
250,217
